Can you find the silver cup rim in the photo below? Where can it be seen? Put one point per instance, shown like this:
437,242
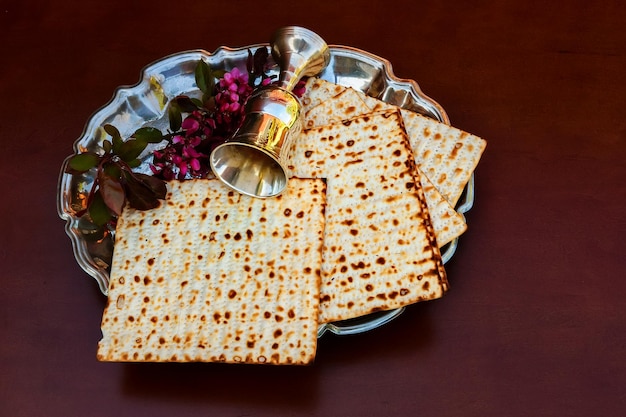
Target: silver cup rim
280,171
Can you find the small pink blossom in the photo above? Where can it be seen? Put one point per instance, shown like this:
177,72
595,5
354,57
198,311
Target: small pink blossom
186,155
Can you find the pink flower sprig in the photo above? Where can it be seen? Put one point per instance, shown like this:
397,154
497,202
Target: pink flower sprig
211,120
207,122
232,91
206,125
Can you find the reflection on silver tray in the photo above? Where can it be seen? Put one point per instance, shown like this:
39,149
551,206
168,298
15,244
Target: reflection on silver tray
145,104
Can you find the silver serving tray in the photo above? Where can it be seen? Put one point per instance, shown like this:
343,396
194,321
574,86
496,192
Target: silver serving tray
145,104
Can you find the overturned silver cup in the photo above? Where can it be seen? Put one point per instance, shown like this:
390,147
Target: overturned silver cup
253,162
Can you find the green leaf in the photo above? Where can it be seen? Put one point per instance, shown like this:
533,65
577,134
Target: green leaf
175,116
112,193
131,149
112,131
217,74
115,136
113,170
107,146
83,161
197,102
204,77
149,134
134,163
98,210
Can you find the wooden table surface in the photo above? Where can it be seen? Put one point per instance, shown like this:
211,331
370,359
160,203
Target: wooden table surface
535,321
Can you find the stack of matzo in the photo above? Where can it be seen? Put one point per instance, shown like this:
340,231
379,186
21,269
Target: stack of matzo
336,116
445,155
380,251
216,276
347,104
212,275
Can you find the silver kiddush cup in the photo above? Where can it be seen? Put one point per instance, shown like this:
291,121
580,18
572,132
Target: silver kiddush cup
253,162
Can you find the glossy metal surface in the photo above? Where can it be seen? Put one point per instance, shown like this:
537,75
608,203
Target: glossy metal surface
253,162
145,104
298,52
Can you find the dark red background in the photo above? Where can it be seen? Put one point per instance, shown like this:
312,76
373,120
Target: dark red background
534,323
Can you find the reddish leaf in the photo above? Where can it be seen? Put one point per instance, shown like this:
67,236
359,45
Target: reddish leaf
186,104
157,185
112,193
139,194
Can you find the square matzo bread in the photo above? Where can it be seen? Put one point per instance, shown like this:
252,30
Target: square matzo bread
380,250
216,276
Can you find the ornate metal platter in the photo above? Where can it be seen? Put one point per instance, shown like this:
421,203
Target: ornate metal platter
145,104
